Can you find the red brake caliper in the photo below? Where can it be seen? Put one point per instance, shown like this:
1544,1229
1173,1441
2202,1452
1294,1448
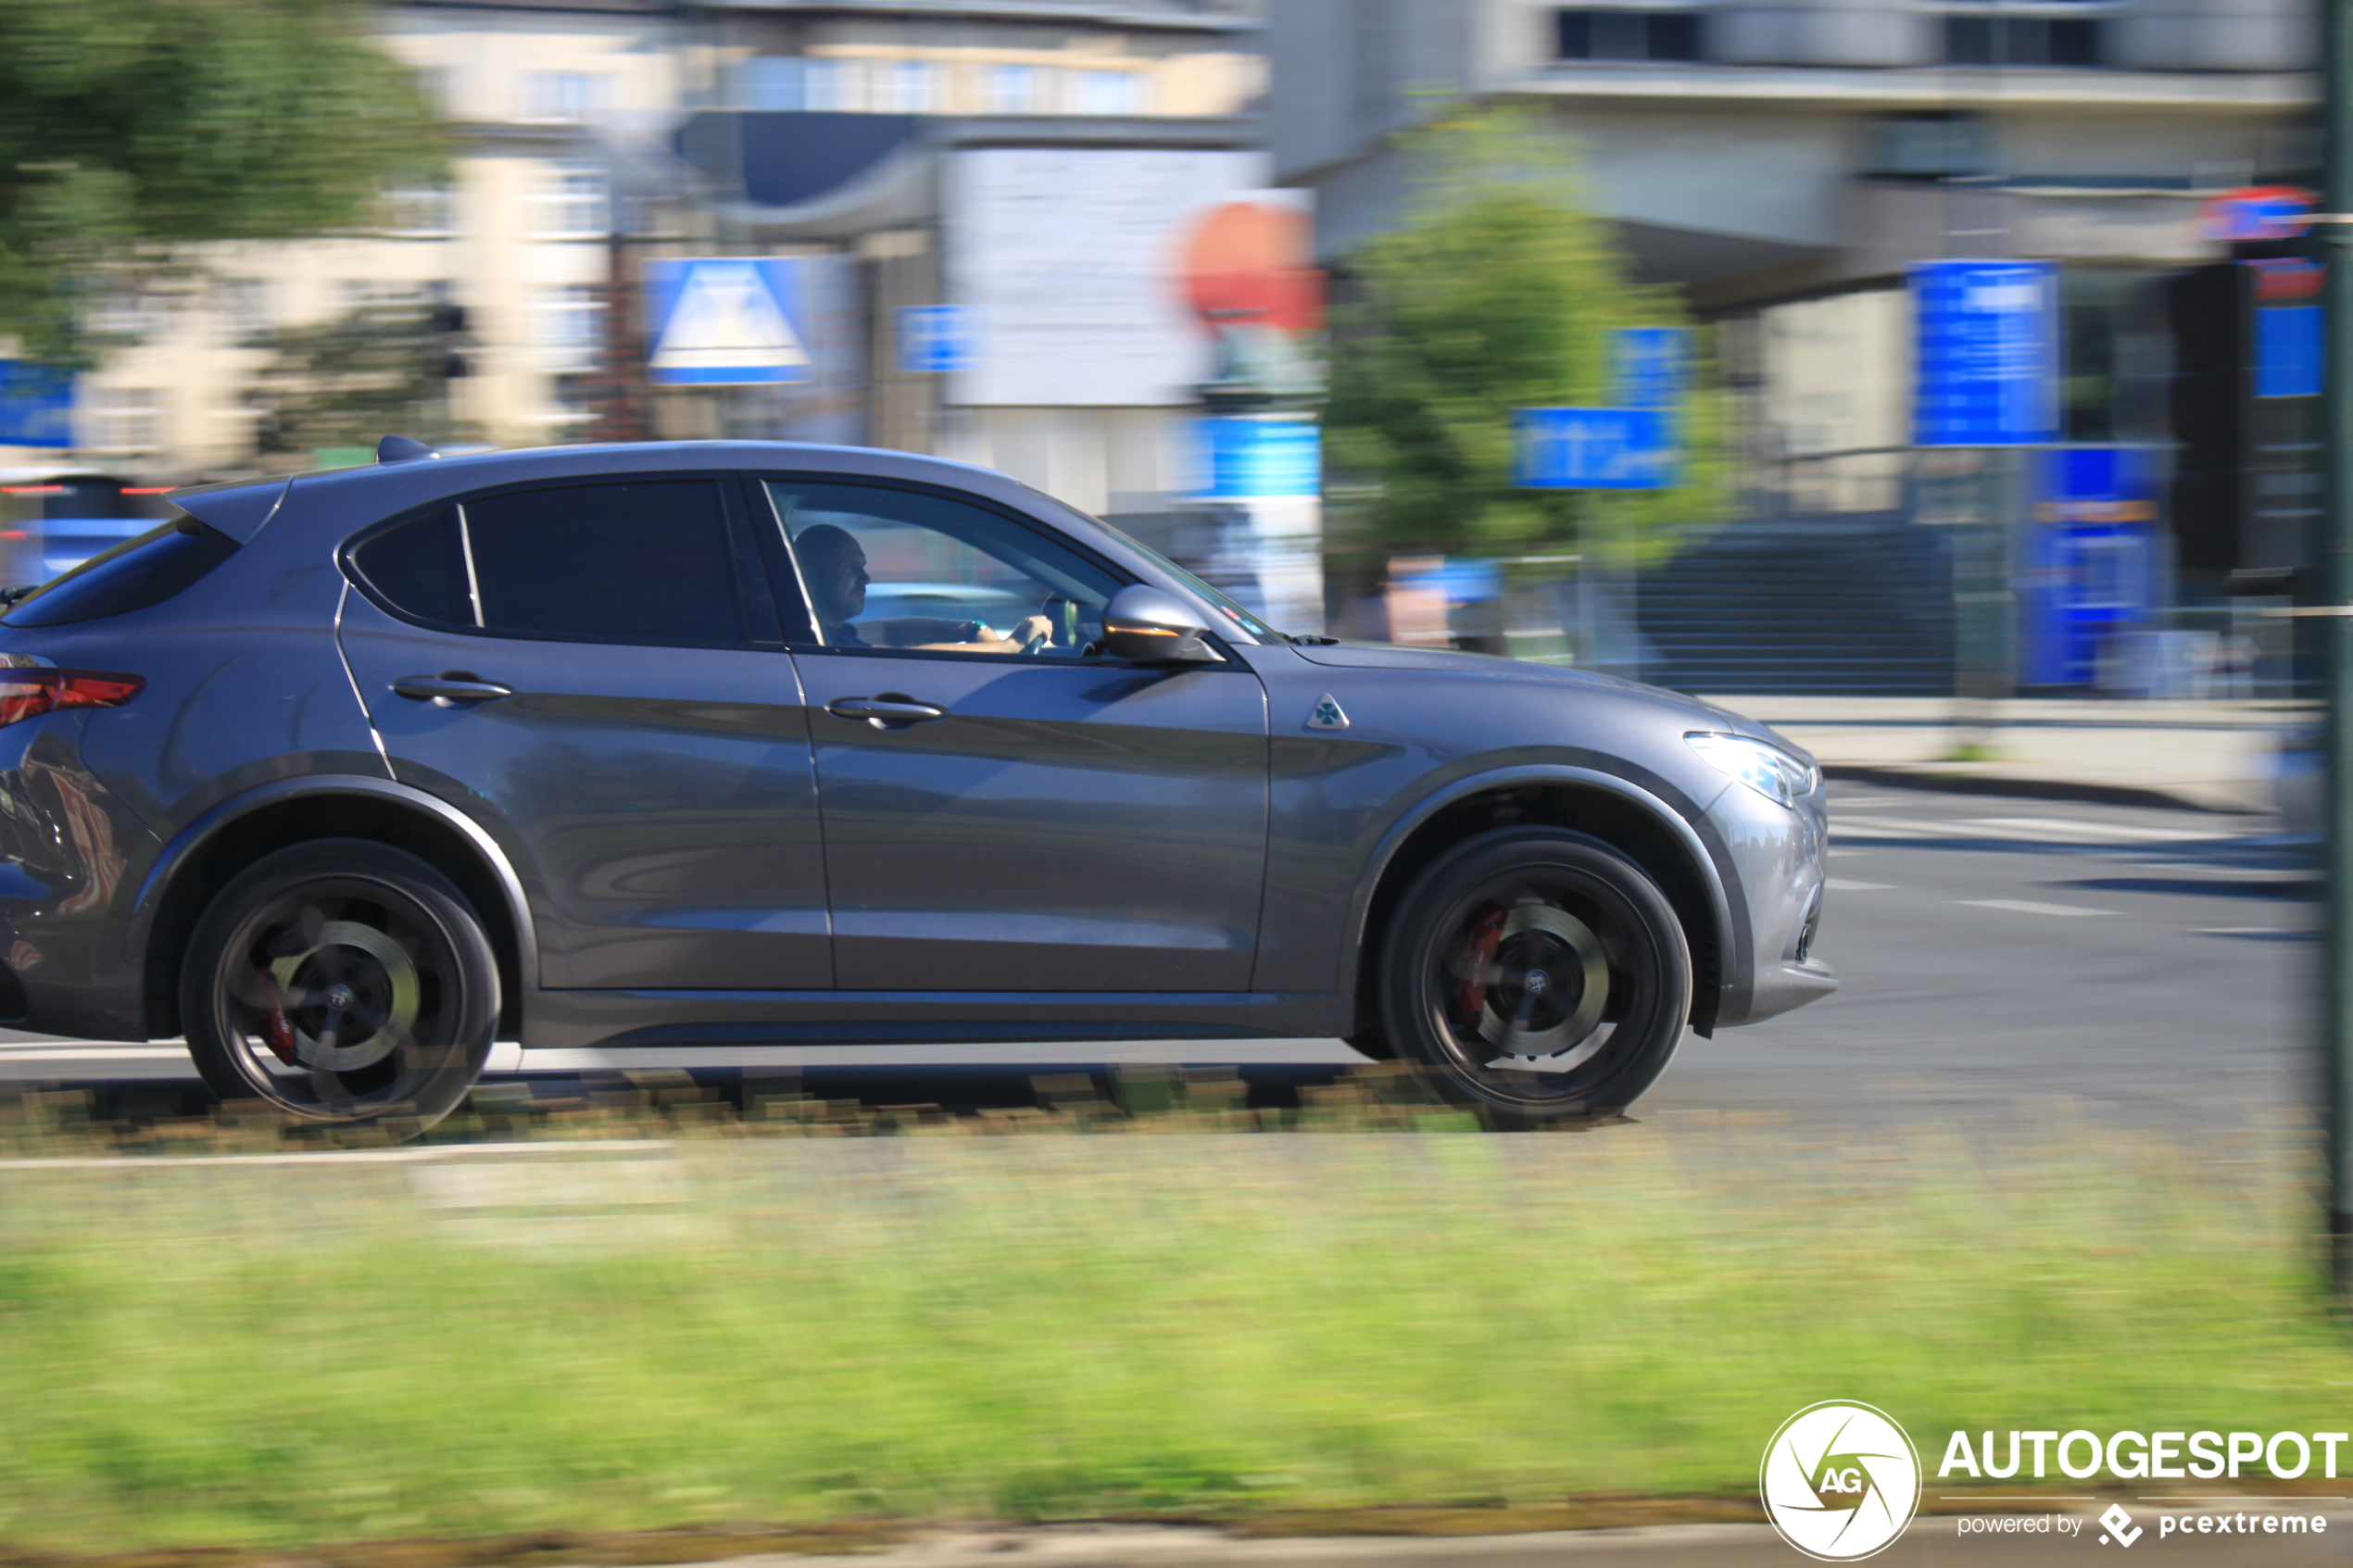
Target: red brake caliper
1479,952
279,1028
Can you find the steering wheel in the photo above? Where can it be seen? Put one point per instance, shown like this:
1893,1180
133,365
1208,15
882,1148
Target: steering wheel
1031,649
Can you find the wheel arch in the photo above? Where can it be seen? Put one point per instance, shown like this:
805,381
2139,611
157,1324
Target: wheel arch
210,851
1615,810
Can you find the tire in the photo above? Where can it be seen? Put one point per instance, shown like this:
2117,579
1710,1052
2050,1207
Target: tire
314,942
1612,995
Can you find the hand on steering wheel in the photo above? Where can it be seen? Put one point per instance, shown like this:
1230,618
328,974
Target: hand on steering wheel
1034,632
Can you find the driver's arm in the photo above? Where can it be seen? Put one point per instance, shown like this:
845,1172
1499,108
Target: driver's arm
970,636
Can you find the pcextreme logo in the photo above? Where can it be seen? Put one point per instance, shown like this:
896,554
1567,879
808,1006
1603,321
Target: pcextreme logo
1839,1481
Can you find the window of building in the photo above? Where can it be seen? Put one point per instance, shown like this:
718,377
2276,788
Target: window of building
565,97
1110,91
420,213
248,306
569,324
1990,38
126,418
907,87
126,313
1626,35
572,202
1011,89
1929,145
830,86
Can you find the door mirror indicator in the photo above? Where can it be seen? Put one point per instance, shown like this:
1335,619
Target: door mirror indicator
1149,625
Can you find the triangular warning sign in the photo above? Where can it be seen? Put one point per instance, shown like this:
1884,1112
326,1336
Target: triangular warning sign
725,319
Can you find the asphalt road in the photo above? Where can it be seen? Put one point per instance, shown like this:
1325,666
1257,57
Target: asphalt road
2141,963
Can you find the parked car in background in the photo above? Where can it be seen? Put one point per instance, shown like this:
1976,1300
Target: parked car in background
344,775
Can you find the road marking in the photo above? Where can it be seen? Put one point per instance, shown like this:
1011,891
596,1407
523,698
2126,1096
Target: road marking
1844,885
2249,931
2029,906
2097,829
1845,851
92,1053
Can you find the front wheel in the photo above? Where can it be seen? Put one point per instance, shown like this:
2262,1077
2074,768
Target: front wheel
1536,975
341,981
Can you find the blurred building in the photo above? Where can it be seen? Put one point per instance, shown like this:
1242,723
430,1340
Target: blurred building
1786,162
593,135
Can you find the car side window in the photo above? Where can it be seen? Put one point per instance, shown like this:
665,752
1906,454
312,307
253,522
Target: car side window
904,569
639,561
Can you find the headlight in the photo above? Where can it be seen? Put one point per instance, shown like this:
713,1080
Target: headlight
1765,768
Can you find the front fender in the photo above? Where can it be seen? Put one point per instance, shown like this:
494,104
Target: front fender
1709,859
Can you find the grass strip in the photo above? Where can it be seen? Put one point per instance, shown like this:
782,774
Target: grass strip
814,1331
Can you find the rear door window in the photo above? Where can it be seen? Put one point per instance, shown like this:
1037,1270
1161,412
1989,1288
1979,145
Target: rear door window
638,560
138,572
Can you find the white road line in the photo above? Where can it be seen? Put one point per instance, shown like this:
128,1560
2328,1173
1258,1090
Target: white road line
2029,906
1845,885
2097,829
1844,851
92,1053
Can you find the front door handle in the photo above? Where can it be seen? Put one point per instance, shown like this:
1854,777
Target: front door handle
449,691
892,710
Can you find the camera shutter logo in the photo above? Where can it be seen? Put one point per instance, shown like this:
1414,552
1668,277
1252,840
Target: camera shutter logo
1839,1481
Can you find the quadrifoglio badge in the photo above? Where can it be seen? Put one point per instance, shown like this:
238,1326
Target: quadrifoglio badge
1839,1481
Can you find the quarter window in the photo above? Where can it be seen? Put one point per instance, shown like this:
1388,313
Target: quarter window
635,561
894,569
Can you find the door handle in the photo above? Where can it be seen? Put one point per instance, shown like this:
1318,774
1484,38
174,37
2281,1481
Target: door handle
449,691
892,710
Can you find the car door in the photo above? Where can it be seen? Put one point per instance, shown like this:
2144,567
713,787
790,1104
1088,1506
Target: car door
1001,811
596,671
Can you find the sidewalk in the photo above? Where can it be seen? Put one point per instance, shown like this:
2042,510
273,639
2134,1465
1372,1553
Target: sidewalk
2209,756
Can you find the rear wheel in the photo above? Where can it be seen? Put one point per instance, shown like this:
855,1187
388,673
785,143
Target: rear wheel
1537,974
342,982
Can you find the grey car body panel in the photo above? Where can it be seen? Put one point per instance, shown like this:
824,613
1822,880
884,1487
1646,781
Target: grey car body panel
1064,825
682,935
659,799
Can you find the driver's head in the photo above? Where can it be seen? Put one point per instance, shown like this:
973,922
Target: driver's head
835,568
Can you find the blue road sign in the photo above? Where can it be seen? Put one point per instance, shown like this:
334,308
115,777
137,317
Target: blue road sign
1594,448
934,338
1248,458
2288,351
1987,335
725,321
37,405
1648,365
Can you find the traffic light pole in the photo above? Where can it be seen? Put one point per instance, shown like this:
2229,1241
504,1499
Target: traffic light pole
2335,615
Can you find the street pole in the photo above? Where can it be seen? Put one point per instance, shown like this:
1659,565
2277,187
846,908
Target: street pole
2335,249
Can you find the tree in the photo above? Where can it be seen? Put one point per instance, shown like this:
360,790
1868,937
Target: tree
1497,292
131,130
382,369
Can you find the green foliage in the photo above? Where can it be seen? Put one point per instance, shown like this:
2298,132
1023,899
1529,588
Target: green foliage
382,369
132,129
1499,292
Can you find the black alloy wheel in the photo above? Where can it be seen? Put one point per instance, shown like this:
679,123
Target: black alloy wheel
341,981
1537,975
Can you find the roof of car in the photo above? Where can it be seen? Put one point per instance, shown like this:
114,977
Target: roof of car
239,509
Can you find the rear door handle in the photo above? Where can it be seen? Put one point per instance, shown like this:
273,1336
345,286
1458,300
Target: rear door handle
892,710
446,691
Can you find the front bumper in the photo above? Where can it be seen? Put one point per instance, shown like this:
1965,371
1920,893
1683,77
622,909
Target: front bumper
1777,854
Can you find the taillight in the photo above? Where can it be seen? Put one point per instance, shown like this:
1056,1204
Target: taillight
29,693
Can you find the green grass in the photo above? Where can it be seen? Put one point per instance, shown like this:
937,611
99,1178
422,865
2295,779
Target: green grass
942,1325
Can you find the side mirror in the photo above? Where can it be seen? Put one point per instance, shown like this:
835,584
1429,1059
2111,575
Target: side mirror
1149,625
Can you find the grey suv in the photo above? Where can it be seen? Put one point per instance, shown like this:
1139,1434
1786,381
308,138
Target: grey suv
344,775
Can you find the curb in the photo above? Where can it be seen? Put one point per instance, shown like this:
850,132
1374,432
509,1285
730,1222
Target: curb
2023,788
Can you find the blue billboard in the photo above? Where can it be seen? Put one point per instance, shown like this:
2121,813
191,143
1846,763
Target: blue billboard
1250,458
37,405
1988,345
1649,367
1594,448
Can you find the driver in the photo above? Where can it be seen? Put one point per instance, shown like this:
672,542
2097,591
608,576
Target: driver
834,565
